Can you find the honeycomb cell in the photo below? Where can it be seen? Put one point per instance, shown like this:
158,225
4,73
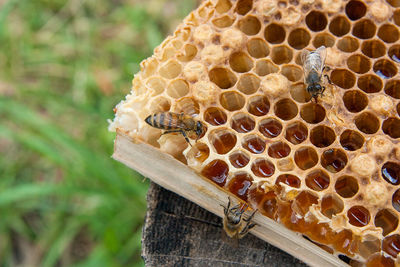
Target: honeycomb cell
334,160
388,33
318,180
387,220
243,6
391,245
339,26
262,168
289,179
240,62
368,247
258,105
223,22
346,186
242,123
223,78
306,158
378,260
296,133
285,109
278,150
249,25
391,172
178,88
322,136
351,140
373,48
270,128
367,123
239,184
299,38
331,205
215,116
364,29
323,39
355,101
316,21
188,106
274,33
396,200
391,127
392,88
223,140
394,53
157,84
394,3
396,17
355,10
257,48
281,54
160,104
385,69
232,101
343,241
299,93
217,171
292,72
343,78
248,84
348,44
239,159
254,144
312,113
199,152
170,70
304,200
370,83
190,53
359,64
223,6
358,216
265,67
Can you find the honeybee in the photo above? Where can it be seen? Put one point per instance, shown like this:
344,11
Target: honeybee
234,224
176,123
313,67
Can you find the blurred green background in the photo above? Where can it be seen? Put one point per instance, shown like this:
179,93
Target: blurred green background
64,65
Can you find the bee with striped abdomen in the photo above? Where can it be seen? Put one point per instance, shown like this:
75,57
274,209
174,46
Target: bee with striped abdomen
176,123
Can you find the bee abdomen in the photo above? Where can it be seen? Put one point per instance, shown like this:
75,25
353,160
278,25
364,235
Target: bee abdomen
164,120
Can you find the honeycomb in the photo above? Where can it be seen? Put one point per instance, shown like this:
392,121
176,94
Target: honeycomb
328,169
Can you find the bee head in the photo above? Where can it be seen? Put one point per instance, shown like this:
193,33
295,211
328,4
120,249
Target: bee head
234,216
199,129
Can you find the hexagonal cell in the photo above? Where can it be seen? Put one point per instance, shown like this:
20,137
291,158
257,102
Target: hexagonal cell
257,48
299,38
359,64
189,54
157,84
394,53
364,29
312,113
258,105
223,140
289,179
396,200
187,105
355,10
358,216
232,101
387,220
223,6
348,44
240,62
385,69
322,136
351,140
243,7
239,184
281,54
304,200
239,159
223,22
380,260
331,205
367,123
343,78
316,21
285,109
339,26
274,33
292,72
388,33
299,93
242,123
178,88
215,116
391,172
318,180
391,245
396,17
373,48
254,144
306,158
296,133
262,168
265,67
199,152
217,171
391,127
355,101
346,186
334,160
249,25
370,83
278,150
160,104
270,127
222,77
392,88
248,84
170,70
323,39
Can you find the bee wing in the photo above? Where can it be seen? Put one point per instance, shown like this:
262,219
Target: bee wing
306,65
322,54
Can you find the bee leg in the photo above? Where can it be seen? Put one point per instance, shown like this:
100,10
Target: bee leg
226,209
250,217
171,131
246,229
323,90
186,138
326,68
329,79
